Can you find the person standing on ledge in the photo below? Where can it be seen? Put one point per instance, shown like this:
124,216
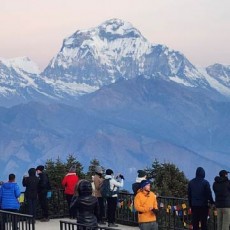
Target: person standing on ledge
199,197
97,180
31,192
140,177
221,188
69,182
43,187
115,184
145,203
9,194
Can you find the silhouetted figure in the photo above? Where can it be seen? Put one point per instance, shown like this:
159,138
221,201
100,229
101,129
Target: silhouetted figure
221,188
199,196
43,187
85,204
31,192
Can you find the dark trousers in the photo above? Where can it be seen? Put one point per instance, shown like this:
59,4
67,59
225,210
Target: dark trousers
102,209
199,214
71,211
111,209
42,197
32,206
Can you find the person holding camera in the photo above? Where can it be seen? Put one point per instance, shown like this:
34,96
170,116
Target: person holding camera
145,203
115,184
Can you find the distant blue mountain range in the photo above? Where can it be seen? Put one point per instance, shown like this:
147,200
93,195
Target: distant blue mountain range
112,95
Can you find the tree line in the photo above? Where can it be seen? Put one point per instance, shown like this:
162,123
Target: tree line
167,179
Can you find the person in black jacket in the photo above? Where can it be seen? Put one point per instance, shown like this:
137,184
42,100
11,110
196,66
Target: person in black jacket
199,197
140,177
43,187
221,188
85,204
31,192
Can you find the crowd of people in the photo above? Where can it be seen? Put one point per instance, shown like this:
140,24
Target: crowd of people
86,199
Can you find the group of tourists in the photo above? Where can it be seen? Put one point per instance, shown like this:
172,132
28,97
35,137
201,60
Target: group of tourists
86,199
200,199
36,187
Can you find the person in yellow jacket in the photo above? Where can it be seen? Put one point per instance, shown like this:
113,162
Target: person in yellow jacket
145,203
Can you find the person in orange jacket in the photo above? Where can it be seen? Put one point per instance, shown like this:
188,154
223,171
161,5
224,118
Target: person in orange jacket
69,182
145,203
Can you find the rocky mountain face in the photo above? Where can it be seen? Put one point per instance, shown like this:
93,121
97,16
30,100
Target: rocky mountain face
112,95
91,59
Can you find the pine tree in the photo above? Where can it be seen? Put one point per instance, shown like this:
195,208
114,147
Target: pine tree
91,169
168,180
72,160
57,170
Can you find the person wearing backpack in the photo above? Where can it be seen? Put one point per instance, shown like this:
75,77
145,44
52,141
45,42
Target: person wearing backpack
31,192
115,184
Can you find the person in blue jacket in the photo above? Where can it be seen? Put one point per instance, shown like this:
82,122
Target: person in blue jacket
199,197
9,194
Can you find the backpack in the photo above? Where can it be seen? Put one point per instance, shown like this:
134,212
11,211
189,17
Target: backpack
105,188
136,186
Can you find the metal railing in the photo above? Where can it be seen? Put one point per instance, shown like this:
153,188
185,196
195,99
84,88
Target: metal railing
65,225
174,213
15,221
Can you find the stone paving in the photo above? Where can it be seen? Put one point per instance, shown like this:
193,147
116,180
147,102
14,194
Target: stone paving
54,224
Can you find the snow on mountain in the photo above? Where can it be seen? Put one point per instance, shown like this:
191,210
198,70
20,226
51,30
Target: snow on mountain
20,82
93,58
218,81
116,50
21,63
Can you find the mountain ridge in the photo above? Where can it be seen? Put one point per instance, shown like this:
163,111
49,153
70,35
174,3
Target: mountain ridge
102,55
149,103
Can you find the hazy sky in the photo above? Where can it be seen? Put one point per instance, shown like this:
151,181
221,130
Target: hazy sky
200,29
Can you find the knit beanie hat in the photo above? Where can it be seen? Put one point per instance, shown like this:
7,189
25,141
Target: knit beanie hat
141,173
98,169
223,173
72,169
109,172
144,183
40,167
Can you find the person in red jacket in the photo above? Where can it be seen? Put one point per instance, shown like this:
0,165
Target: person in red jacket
69,182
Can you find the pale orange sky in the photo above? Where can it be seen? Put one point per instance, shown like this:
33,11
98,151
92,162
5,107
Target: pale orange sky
36,28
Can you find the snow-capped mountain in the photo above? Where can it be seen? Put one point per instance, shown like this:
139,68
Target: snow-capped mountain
91,59
136,101
116,50
20,82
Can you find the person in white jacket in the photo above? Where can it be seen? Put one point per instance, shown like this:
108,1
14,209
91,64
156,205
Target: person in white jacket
115,184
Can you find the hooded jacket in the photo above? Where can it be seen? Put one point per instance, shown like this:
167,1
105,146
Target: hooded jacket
85,205
221,188
199,191
9,194
31,184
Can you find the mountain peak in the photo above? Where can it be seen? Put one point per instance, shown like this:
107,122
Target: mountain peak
21,63
115,28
